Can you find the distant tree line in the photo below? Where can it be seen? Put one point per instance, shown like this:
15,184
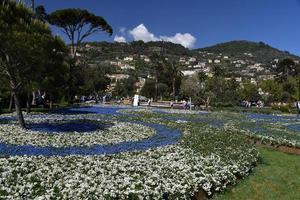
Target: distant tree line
165,81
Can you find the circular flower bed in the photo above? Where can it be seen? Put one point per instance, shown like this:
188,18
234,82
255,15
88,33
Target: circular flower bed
119,132
116,157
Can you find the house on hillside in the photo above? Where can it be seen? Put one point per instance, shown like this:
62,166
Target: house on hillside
189,72
117,77
192,59
127,66
129,58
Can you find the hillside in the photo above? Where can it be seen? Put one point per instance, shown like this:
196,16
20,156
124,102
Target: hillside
108,51
257,52
250,52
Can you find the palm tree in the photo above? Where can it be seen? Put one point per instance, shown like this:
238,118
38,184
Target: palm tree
174,69
156,66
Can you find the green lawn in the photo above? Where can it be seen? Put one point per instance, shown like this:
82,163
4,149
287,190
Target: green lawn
276,177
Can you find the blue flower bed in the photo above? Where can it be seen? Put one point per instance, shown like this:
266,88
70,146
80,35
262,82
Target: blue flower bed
165,136
270,118
294,127
66,127
88,110
7,119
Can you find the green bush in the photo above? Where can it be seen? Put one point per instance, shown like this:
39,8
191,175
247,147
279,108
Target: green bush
286,109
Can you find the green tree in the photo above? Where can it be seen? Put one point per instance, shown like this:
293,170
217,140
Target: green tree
273,91
53,80
174,70
148,89
190,86
249,92
285,69
95,81
196,87
125,87
77,24
156,67
22,42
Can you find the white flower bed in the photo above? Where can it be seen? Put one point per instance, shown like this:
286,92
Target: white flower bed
136,110
141,175
120,132
182,111
175,170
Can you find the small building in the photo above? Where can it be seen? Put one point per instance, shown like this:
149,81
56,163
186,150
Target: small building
129,58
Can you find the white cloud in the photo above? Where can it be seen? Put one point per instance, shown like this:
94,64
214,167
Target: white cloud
119,39
186,39
142,33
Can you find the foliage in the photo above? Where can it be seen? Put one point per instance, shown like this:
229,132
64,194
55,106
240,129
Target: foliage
285,69
25,43
273,91
126,87
77,24
249,92
149,88
93,80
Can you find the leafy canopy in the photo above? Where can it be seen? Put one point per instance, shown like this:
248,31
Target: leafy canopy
79,21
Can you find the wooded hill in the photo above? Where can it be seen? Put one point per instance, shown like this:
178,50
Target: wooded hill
252,52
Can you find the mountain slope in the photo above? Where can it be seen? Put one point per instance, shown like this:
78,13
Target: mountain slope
256,51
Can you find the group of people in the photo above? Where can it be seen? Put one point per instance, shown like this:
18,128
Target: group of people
185,104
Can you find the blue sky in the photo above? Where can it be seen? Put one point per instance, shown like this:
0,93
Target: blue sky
196,23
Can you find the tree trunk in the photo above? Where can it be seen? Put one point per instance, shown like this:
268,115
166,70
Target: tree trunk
19,111
207,103
173,87
70,82
156,87
299,88
51,102
28,104
96,97
14,88
11,101
39,97
33,98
